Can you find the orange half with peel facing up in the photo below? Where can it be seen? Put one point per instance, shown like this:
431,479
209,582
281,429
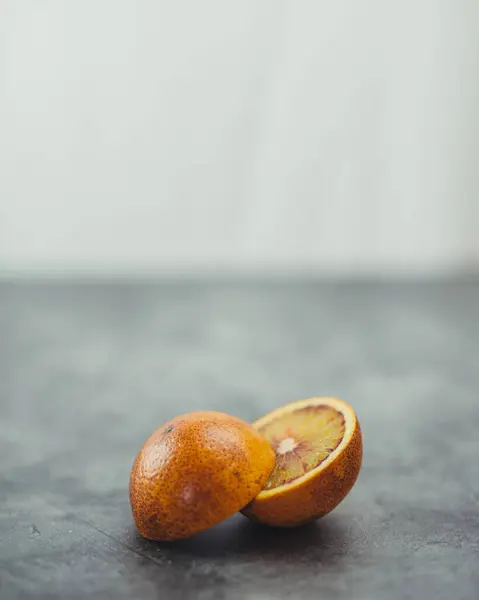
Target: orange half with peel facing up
195,471
318,447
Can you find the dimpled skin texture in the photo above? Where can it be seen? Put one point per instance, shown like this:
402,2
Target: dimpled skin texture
195,471
312,498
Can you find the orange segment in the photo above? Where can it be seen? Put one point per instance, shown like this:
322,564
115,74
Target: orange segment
318,448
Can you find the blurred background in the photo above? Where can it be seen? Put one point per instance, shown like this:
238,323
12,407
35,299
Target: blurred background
179,138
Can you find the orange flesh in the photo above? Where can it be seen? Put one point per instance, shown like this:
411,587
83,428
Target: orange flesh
302,440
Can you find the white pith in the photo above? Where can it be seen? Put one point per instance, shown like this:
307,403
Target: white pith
286,445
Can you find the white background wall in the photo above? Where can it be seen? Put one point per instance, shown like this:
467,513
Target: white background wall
140,135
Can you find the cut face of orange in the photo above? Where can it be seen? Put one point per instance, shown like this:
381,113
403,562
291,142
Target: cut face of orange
318,448
302,440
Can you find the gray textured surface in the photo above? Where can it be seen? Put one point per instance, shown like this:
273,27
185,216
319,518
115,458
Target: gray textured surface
87,372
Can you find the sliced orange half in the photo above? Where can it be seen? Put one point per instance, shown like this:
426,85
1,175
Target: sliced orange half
318,449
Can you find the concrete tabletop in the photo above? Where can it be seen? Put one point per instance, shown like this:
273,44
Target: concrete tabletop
88,371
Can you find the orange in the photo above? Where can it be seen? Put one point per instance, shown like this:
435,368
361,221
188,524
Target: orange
195,471
318,449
